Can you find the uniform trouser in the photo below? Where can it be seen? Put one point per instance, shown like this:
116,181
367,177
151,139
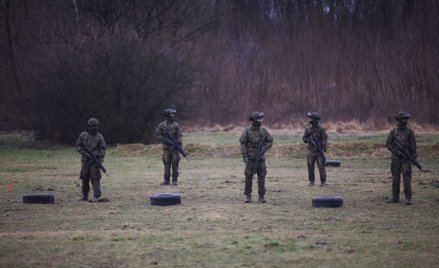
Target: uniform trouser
90,173
171,158
397,167
312,158
261,171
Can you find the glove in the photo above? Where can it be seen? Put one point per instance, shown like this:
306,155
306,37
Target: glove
169,142
324,148
306,140
396,152
245,159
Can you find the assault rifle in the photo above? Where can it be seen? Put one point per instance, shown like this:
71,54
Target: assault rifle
94,160
176,145
258,155
317,145
407,154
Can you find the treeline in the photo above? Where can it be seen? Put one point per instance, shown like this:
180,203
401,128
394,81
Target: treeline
215,61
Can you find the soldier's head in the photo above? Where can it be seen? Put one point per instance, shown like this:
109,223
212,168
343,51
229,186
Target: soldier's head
170,114
402,118
314,118
93,126
257,118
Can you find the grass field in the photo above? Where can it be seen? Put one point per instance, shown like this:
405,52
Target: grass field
213,227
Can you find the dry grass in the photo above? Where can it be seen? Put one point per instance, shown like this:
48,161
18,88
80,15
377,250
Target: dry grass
354,127
213,227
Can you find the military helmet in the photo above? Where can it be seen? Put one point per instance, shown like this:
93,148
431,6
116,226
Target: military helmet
402,115
255,115
167,112
313,115
93,122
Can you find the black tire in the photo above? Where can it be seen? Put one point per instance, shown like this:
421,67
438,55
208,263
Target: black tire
333,163
165,199
39,198
327,201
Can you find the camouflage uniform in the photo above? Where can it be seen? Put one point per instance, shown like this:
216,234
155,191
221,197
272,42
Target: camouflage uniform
89,171
170,153
313,153
399,164
249,144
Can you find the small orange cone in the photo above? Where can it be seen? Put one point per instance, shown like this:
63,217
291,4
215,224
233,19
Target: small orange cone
9,185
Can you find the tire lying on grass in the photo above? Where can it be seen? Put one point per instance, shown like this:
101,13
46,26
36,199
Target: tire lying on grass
165,199
333,163
39,198
327,201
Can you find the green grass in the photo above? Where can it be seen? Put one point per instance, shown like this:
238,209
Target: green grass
213,227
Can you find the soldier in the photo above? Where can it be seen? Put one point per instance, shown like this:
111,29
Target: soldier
169,132
406,139
95,143
255,138
314,129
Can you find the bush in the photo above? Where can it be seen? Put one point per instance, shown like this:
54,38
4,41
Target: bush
125,84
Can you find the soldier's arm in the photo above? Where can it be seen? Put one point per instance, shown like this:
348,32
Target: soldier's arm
243,141
158,134
390,144
306,138
413,145
80,144
324,141
268,142
179,136
102,149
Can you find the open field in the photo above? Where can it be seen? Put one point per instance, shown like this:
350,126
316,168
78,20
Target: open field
213,227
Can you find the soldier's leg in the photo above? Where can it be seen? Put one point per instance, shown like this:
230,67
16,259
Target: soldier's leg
175,161
322,169
396,178
85,178
248,177
407,178
167,160
262,172
310,161
95,176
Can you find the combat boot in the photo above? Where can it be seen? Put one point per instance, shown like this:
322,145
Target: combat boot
261,198
248,198
392,200
408,201
84,197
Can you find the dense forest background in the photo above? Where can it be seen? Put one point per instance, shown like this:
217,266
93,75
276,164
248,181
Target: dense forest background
215,61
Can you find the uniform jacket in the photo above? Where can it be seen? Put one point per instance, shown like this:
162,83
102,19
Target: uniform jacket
319,133
166,129
96,145
405,137
250,141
